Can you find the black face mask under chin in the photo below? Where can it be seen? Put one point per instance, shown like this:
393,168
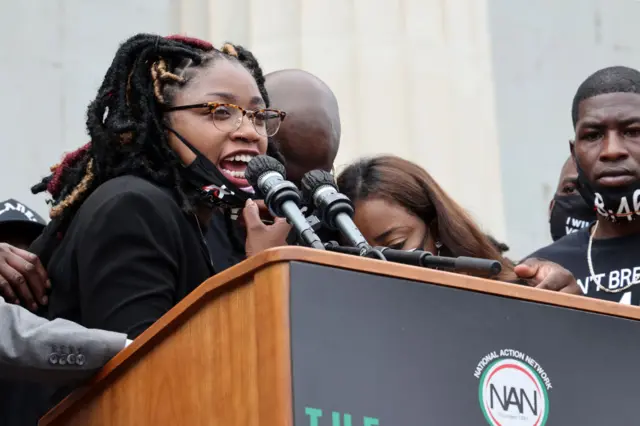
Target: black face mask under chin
215,189
620,204
569,214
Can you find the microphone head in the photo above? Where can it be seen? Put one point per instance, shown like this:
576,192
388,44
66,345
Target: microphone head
260,165
313,180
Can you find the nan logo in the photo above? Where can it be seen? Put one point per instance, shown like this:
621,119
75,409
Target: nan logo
513,389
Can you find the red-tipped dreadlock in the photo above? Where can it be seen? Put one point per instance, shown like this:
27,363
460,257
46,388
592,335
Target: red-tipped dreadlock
69,160
191,41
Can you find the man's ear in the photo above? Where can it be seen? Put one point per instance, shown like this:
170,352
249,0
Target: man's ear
572,144
551,203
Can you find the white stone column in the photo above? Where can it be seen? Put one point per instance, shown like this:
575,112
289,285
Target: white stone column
412,77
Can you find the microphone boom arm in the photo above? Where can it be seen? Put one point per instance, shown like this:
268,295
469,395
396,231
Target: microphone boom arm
475,266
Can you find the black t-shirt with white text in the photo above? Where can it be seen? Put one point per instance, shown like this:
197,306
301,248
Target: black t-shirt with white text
616,264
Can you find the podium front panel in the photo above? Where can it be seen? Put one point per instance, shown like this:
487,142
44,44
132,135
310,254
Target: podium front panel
369,350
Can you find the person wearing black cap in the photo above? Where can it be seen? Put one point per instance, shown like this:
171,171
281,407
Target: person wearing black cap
23,279
19,225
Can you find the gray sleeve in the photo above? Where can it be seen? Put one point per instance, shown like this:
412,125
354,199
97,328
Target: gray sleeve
59,351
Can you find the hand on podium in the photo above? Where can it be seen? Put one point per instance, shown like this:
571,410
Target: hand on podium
547,275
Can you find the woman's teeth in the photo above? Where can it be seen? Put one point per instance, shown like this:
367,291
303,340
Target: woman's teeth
234,173
245,158
240,158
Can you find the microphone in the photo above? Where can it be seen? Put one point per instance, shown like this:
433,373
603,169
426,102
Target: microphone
267,177
471,265
333,208
314,223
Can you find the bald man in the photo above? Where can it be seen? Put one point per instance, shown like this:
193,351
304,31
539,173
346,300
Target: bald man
310,135
568,212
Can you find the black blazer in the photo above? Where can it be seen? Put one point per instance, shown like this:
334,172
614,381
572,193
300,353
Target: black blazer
129,255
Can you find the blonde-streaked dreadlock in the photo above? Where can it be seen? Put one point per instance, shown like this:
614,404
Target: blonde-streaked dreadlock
77,192
161,76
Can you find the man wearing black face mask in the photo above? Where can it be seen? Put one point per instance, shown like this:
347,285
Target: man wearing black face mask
568,212
605,257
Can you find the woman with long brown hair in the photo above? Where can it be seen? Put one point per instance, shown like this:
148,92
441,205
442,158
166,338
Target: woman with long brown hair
399,205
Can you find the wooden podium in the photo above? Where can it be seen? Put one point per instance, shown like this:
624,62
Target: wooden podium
275,341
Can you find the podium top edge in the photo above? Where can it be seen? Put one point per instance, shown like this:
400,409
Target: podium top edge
427,276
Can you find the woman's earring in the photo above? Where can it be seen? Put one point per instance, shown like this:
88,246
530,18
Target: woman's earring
438,246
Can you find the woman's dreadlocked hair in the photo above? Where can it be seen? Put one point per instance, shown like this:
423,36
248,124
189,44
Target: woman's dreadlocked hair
125,120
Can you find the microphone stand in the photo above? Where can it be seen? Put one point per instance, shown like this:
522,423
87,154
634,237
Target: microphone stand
315,224
475,266
371,252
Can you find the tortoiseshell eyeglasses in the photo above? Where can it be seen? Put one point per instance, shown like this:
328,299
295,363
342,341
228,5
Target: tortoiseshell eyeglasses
228,117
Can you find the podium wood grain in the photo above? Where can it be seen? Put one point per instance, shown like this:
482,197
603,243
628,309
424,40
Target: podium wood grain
222,355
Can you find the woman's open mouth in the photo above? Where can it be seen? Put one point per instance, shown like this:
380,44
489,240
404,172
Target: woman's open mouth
233,167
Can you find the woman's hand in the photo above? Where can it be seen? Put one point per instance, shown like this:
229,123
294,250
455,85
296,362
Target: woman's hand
260,236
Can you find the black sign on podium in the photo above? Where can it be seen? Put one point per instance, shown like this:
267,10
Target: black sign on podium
369,350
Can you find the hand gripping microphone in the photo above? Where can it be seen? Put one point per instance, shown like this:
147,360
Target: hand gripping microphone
266,176
334,209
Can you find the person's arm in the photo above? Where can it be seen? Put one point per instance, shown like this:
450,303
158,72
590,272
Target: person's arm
59,351
127,259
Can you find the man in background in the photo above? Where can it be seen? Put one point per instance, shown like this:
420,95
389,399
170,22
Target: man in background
568,212
19,225
309,137
605,256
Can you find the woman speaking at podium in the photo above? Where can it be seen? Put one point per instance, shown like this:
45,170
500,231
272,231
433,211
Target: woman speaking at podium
172,128
399,205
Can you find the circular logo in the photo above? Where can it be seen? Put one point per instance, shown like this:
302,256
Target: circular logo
512,394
